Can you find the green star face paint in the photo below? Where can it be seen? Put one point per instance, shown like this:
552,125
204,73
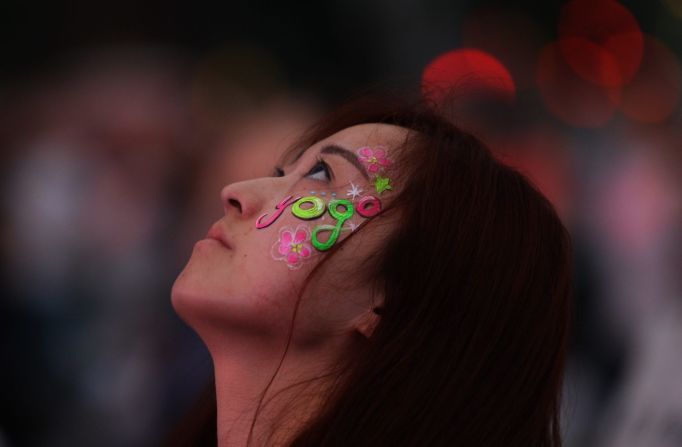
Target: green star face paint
382,184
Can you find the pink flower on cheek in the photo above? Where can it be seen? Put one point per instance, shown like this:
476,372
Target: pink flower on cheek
374,159
293,246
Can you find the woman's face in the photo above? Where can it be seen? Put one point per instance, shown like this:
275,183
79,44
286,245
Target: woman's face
246,276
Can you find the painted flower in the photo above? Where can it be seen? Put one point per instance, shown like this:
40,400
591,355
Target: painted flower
293,246
374,159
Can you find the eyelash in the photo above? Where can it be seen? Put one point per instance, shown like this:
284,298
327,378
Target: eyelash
325,168
279,172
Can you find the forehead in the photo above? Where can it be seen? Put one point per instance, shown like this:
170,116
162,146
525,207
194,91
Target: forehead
370,134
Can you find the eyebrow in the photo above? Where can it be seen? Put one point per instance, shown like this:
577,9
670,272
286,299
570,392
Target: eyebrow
333,149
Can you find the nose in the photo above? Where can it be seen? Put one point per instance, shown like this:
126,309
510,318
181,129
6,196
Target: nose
239,200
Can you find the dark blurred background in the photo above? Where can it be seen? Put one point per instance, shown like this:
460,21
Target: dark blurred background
120,122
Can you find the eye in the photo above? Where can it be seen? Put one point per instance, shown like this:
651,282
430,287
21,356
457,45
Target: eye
320,171
278,172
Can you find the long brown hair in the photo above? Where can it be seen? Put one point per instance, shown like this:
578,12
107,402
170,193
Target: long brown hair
472,340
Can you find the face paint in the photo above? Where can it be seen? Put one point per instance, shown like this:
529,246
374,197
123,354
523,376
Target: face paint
371,206
340,217
368,206
354,191
292,246
351,226
315,211
374,159
280,209
382,184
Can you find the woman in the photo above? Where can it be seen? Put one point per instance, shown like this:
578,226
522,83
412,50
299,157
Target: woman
391,284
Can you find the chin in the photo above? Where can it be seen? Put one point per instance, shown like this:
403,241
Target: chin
183,298
190,292
209,304
190,299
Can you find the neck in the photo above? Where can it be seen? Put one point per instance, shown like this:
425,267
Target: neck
243,369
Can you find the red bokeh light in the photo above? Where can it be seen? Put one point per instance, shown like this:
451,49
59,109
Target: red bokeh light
467,71
601,40
568,96
654,93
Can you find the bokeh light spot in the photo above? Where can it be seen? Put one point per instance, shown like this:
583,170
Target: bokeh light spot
601,40
654,93
467,71
568,96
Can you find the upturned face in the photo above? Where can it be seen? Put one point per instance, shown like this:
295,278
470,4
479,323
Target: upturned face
249,272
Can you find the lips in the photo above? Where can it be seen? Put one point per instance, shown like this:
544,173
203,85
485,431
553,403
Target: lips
216,232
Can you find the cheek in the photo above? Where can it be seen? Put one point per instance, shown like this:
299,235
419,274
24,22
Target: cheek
275,259
292,240
237,289
292,244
